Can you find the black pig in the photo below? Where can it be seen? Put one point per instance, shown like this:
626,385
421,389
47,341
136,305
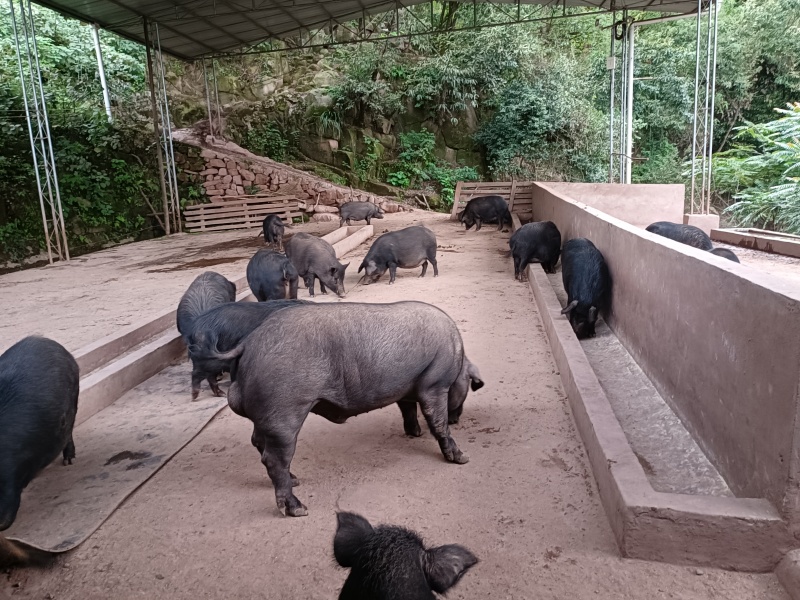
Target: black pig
359,211
535,242
222,328
39,384
314,257
725,253
407,248
485,209
208,290
392,563
273,229
355,358
685,234
587,283
269,274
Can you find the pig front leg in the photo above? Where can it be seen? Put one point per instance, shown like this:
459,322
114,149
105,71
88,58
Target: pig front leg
322,288
434,408
410,422
477,224
392,272
197,377
279,447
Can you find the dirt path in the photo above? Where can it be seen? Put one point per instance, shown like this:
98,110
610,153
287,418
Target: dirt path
206,525
92,296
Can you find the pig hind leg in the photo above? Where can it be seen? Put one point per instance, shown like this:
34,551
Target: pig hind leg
279,447
309,281
69,451
432,260
258,443
424,268
433,403
410,422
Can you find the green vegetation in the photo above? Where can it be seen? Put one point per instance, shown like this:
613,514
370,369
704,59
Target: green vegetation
762,173
527,101
105,171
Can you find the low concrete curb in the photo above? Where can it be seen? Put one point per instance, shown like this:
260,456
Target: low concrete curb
109,367
788,573
732,533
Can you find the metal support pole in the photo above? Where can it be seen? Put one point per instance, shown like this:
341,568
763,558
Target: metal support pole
696,100
166,135
715,8
101,70
611,65
628,158
156,126
44,165
208,100
216,94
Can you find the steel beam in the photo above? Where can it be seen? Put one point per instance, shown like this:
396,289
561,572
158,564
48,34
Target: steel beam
44,162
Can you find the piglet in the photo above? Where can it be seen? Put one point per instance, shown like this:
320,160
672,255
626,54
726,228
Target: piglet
391,563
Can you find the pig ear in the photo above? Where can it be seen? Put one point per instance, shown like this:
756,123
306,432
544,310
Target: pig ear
361,267
476,382
344,266
352,531
446,565
569,307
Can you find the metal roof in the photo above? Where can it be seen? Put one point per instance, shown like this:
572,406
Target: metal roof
190,29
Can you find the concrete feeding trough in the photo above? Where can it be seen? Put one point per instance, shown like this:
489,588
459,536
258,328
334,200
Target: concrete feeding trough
759,239
684,403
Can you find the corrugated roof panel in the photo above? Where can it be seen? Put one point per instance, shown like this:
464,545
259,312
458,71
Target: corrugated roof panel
193,28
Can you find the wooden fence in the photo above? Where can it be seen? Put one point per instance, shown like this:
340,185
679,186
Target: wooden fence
239,213
518,194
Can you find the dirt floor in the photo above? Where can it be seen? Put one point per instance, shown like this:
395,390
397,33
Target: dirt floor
206,526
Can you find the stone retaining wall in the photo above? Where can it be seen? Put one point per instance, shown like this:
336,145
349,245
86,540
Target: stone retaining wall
228,171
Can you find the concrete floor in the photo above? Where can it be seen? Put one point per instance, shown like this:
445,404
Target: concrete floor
205,526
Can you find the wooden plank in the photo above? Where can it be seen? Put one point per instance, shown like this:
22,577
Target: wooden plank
511,195
222,210
252,222
457,200
229,227
218,206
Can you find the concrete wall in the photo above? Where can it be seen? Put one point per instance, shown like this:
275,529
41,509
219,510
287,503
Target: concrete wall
720,341
637,204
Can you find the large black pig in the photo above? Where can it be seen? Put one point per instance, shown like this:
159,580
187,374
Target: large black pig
685,234
314,257
391,563
272,276
587,282
485,209
725,253
407,248
355,358
273,229
39,384
535,242
208,290
221,329
359,211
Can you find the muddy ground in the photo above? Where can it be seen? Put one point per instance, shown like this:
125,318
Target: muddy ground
206,526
